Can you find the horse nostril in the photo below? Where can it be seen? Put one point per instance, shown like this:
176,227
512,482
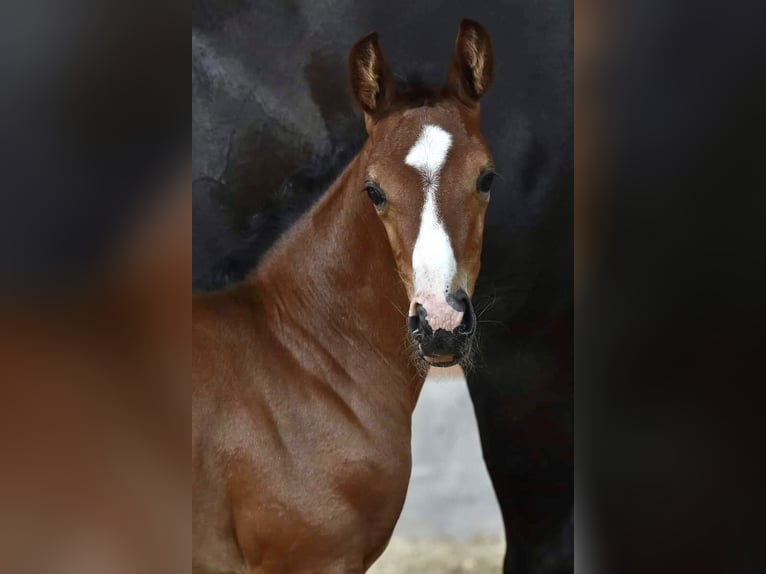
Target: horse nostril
418,324
468,324
458,300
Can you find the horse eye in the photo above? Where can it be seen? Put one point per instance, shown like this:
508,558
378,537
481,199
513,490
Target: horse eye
376,194
484,183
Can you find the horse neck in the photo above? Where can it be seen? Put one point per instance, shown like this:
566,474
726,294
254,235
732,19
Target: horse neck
331,292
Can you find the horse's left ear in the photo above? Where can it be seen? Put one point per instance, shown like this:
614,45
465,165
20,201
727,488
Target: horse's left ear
471,71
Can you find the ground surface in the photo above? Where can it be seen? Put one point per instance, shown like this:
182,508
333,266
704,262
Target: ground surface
433,556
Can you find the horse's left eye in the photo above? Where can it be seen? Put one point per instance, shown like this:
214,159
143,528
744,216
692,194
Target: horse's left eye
376,194
484,183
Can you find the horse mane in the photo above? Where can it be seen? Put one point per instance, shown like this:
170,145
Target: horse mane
302,188
298,192
412,91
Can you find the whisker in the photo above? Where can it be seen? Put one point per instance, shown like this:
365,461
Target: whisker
486,308
398,310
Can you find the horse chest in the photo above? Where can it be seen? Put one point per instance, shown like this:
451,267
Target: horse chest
304,476
324,506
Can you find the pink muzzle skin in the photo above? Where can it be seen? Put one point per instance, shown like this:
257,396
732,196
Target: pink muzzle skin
439,313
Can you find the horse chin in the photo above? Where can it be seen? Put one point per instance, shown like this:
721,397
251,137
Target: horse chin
440,361
460,355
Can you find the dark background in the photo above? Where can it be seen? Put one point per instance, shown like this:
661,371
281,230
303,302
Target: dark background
93,110
670,355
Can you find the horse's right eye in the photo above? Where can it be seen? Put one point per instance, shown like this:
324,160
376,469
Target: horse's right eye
376,194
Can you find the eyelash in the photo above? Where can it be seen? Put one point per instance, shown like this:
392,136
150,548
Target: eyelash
484,183
376,194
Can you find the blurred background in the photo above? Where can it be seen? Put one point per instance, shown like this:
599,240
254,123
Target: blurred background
95,257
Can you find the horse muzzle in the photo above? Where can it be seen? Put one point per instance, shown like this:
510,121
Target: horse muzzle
442,328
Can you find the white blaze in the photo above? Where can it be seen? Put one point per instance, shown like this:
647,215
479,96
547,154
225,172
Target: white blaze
433,261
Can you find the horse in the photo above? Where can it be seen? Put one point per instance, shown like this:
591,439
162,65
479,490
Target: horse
306,373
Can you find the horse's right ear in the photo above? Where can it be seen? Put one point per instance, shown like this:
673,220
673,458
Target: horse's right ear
371,80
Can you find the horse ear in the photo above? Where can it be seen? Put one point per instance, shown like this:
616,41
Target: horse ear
371,80
471,70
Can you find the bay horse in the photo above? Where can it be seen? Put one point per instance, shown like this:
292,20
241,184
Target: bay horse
306,373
